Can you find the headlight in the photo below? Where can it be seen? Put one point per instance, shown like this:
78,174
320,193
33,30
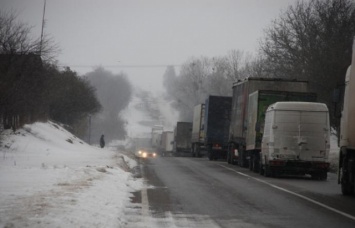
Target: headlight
144,155
139,152
154,154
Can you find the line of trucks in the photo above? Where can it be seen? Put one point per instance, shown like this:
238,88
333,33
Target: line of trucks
271,126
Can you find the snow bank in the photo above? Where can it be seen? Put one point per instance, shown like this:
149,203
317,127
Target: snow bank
50,178
334,152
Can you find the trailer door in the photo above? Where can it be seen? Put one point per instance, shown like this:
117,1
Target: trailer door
313,139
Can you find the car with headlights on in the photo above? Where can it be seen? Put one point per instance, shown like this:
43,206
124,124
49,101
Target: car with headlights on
146,153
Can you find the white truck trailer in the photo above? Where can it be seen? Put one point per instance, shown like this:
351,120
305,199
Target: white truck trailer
296,139
157,130
167,143
347,133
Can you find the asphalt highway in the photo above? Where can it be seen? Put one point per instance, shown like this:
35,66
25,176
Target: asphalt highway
196,192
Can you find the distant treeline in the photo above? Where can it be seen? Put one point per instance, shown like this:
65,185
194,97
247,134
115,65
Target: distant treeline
34,90
114,92
310,41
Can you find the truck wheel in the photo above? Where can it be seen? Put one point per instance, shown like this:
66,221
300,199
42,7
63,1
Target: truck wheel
261,169
234,162
242,161
261,166
229,159
256,165
323,175
346,187
230,154
267,171
315,176
251,167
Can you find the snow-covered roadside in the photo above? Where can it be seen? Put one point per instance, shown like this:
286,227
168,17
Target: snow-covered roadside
50,178
334,152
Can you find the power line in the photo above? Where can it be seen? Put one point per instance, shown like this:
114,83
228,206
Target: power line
121,66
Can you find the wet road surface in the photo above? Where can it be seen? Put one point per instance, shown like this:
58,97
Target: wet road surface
196,192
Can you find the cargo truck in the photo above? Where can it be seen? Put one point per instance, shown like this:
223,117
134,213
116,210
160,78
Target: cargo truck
157,130
166,143
182,139
198,134
346,172
251,98
296,140
211,127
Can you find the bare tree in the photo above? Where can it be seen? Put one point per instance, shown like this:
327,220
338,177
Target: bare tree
23,79
15,38
227,70
235,62
312,41
114,92
190,86
256,68
200,77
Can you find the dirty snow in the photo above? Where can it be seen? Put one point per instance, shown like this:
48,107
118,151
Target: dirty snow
50,178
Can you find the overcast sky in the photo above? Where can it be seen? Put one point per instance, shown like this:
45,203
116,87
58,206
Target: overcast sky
141,37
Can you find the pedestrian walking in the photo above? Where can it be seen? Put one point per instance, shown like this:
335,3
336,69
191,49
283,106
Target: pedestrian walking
102,141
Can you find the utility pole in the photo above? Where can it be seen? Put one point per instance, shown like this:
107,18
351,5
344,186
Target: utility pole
42,31
89,129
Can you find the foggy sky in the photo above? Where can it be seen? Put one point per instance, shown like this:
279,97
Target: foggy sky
141,37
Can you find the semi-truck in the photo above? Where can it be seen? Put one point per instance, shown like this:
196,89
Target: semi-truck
211,127
251,98
346,172
182,139
157,130
296,140
198,133
166,143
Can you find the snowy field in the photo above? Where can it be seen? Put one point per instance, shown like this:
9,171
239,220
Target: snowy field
50,178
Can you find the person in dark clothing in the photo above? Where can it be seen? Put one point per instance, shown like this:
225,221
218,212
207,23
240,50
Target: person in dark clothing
102,141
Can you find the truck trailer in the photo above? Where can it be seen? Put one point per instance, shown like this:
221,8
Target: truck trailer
182,139
296,140
251,98
211,127
198,131
166,143
346,172
157,130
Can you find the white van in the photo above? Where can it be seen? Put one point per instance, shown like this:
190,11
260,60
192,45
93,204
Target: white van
296,139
